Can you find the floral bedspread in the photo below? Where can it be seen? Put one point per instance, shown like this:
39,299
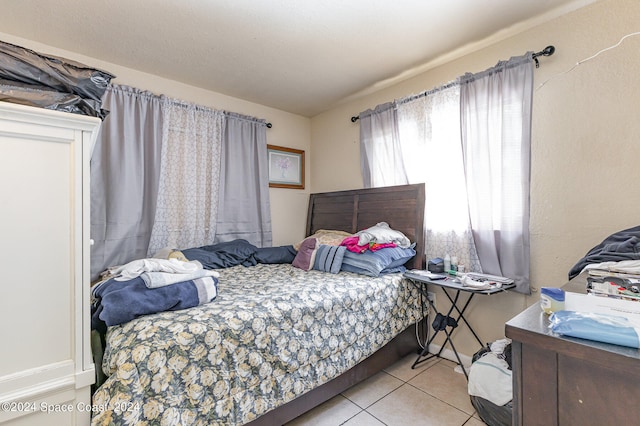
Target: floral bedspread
273,333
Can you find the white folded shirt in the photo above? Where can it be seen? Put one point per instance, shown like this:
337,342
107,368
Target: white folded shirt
136,268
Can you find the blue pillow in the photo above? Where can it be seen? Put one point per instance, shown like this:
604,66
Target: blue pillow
223,255
329,258
375,263
281,254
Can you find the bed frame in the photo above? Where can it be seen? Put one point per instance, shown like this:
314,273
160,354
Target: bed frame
402,207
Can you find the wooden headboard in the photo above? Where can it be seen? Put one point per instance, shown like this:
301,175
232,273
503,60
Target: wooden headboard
402,207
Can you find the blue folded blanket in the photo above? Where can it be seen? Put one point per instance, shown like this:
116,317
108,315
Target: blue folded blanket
238,252
117,302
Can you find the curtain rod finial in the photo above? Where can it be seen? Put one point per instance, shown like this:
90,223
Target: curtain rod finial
547,51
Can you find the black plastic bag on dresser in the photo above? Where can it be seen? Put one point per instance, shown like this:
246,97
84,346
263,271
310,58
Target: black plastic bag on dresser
42,97
59,74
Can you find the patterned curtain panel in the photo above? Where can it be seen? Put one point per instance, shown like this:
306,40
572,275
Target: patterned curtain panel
187,207
429,128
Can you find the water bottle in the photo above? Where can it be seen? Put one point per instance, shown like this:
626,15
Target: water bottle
447,263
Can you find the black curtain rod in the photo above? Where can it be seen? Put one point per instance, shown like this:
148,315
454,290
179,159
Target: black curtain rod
269,125
547,51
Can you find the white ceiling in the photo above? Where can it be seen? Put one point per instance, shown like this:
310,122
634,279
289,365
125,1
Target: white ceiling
301,56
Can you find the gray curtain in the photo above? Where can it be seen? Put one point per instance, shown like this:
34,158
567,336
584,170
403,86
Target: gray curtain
244,209
496,142
125,170
381,159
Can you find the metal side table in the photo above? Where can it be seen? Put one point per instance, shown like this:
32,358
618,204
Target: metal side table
449,321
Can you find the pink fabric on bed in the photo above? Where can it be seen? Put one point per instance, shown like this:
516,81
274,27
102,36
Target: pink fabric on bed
352,245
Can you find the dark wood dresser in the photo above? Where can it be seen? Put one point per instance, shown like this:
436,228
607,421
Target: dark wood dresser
569,381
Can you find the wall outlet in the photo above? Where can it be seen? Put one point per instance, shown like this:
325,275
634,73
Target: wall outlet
431,296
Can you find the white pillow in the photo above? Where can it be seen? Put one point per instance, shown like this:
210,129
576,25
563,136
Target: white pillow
381,233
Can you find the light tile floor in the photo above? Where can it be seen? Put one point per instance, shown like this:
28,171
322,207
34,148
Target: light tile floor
431,394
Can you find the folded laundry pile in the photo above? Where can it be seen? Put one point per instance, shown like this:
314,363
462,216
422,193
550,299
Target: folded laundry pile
149,286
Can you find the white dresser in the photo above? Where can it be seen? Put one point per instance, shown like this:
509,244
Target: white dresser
46,368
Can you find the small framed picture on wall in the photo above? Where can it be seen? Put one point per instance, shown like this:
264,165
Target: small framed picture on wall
286,167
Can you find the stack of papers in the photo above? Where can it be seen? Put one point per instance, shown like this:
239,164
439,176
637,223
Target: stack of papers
626,288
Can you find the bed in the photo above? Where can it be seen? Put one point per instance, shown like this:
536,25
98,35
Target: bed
277,340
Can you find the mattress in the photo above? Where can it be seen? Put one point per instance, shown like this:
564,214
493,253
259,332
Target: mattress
273,333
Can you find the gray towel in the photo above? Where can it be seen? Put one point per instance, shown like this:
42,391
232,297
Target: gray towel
161,279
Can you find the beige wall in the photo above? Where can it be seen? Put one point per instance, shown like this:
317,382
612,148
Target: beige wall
585,147
288,206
